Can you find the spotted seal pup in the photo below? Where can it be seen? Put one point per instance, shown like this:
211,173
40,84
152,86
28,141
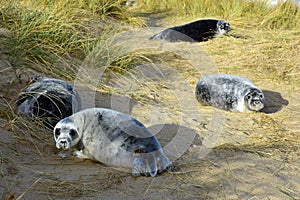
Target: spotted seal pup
113,138
229,92
48,98
197,31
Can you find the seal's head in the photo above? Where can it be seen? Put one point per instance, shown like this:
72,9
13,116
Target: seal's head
223,27
66,134
254,99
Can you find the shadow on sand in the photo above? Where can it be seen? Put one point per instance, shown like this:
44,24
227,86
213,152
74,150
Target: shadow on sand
167,132
274,102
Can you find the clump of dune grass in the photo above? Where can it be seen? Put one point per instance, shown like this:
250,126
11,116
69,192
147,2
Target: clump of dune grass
43,35
29,132
283,15
23,125
232,8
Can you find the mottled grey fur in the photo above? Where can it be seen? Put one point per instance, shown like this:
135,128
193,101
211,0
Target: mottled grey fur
229,92
197,31
113,138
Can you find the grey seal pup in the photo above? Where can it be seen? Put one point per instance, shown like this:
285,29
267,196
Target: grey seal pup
48,98
112,138
197,31
229,92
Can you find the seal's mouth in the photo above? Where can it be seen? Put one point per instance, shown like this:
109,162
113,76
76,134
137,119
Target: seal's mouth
256,104
63,143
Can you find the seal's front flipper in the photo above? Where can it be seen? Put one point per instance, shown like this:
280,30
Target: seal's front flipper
63,154
144,163
82,154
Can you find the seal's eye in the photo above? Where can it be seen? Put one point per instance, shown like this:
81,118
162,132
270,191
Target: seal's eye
73,133
261,96
57,132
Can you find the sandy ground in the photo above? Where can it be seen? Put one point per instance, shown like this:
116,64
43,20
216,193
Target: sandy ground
217,154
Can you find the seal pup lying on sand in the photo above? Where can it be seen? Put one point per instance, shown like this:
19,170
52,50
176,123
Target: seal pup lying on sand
197,31
229,92
112,138
48,98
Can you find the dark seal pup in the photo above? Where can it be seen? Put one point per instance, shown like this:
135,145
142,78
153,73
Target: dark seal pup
49,99
197,31
112,138
229,92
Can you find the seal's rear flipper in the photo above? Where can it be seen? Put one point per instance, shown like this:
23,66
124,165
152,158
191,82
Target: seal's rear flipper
163,163
144,164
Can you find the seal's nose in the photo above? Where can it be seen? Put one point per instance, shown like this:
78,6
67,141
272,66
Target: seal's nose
228,27
63,142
